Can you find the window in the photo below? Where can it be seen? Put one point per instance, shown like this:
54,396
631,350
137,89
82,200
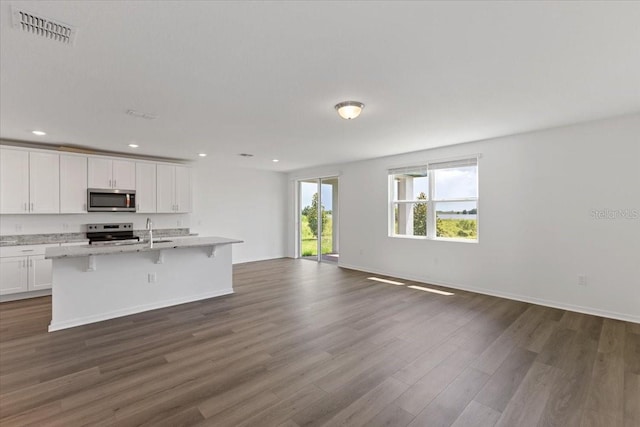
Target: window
435,201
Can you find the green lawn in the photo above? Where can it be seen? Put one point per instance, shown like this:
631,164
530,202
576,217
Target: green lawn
310,246
457,228
310,243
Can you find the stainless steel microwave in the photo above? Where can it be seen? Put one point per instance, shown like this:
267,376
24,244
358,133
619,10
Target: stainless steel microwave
107,200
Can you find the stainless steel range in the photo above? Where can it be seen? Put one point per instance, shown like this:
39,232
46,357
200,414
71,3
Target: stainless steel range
111,234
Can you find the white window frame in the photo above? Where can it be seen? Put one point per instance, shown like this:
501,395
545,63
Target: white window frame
432,202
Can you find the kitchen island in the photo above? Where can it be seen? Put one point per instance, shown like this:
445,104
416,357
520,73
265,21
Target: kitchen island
95,283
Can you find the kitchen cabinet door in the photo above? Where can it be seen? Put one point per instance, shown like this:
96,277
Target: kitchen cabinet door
44,182
124,175
145,187
40,273
13,275
73,184
165,184
14,181
183,189
99,173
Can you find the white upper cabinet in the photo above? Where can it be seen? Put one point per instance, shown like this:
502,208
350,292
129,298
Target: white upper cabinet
44,182
73,184
145,187
14,181
124,175
109,173
100,173
173,189
29,182
165,188
47,182
183,189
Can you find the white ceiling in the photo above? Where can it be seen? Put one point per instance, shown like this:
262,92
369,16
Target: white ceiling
263,77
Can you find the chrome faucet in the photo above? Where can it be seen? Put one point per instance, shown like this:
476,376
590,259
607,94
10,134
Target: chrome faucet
150,228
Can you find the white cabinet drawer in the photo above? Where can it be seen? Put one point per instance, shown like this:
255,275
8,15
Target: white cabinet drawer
83,243
25,250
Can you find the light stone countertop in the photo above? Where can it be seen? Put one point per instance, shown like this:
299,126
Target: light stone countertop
52,238
169,242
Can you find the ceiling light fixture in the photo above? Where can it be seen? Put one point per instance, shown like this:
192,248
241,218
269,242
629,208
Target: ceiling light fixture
275,160
349,109
133,145
202,154
38,132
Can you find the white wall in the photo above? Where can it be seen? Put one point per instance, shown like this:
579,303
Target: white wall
537,232
240,203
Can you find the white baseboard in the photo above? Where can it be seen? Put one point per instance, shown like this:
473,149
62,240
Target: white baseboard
133,310
25,295
524,298
247,260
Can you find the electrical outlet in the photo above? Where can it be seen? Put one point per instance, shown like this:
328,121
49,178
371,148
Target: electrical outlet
152,277
582,280
18,227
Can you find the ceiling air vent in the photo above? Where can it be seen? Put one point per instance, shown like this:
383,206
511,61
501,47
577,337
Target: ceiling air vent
43,27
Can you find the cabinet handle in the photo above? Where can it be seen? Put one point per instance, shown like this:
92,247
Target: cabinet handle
28,250
30,263
32,207
115,184
25,207
24,263
110,186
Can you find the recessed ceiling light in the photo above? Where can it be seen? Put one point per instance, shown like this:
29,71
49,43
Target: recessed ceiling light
202,154
275,160
133,145
39,133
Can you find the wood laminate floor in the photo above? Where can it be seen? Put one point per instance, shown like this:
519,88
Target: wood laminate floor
307,344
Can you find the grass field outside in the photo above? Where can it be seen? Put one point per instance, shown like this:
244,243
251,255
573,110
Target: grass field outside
310,246
309,243
457,228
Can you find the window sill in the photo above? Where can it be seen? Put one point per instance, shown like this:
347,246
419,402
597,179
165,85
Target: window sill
449,239
436,239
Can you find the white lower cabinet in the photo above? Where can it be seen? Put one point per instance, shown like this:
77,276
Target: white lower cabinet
13,275
40,273
24,269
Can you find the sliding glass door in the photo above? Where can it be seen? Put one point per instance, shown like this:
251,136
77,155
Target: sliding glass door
318,219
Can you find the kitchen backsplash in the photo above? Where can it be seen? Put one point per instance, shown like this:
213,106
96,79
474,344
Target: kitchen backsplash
48,224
